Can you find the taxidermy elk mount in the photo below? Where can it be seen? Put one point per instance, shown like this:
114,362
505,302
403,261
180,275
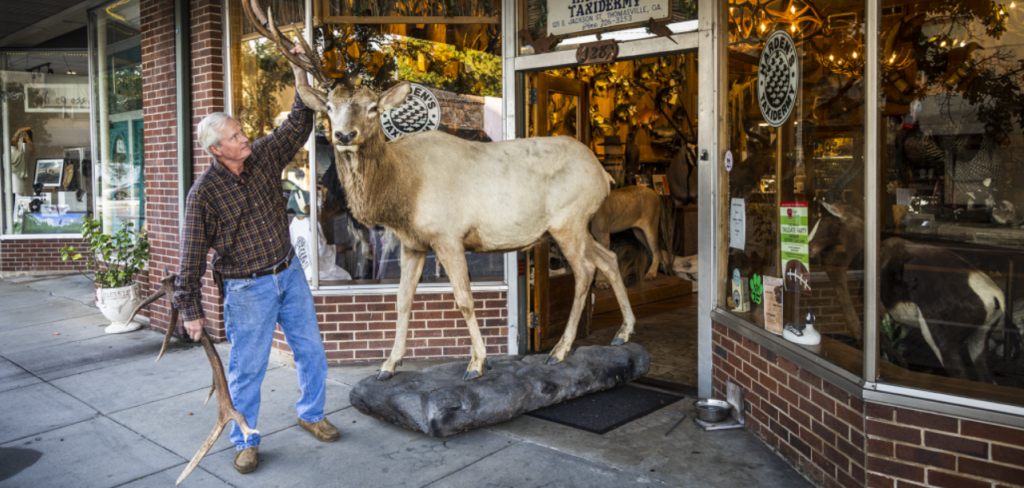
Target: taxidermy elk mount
444,194
955,305
225,407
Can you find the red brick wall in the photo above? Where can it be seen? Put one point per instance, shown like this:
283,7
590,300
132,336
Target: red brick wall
911,448
362,328
838,440
811,422
37,256
160,112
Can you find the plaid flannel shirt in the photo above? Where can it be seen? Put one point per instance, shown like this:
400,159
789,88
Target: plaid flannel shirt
240,217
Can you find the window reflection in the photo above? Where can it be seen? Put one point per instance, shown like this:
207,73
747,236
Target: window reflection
950,240
796,134
458,64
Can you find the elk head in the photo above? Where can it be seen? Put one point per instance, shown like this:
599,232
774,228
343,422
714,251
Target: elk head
354,112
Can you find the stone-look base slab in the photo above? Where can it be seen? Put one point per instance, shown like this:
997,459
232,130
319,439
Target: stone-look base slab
437,402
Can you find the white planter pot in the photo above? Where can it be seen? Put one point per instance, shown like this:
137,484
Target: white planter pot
117,305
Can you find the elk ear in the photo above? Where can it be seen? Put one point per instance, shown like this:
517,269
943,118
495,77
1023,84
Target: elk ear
313,98
835,210
393,97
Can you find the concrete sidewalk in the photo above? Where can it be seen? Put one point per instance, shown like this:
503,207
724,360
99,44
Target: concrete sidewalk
81,408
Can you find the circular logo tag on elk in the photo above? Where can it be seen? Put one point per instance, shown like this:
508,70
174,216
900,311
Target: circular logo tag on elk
421,111
777,77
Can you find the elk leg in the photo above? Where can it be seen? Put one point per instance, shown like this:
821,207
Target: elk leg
412,268
453,258
648,234
606,262
225,409
601,281
837,275
583,268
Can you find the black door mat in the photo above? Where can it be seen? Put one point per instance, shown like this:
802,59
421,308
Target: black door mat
606,410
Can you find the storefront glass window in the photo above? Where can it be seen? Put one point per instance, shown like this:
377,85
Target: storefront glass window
951,198
550,25
117,90
459,65
46,156
794,169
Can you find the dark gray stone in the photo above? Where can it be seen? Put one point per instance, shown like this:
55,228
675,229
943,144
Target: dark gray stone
437,402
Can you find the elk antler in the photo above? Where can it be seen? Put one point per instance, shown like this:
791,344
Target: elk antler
265,25
225,407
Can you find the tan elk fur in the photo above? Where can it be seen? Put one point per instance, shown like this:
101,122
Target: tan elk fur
445,194
632,207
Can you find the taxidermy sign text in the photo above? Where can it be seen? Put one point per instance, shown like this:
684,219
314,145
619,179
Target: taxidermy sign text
574,16
777,76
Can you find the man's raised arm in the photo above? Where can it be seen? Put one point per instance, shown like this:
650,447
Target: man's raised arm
279,147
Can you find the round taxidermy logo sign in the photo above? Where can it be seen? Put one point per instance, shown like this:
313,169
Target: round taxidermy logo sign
418,113
777,77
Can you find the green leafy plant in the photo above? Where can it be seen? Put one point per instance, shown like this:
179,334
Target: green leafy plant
895,333
114,259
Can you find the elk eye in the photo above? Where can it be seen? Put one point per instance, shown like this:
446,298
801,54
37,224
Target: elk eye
372,109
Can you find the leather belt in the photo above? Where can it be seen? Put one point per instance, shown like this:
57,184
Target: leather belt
283,265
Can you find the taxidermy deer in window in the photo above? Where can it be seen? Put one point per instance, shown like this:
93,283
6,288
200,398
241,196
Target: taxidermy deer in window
445,194
955,305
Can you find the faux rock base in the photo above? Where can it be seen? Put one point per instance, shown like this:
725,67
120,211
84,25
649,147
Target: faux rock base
436,400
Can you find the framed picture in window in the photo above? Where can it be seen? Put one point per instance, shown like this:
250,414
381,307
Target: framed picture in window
50,172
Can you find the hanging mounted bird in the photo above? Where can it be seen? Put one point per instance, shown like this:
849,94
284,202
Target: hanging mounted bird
627,90
602,82
658,29
667,97
599,125
625,114
646,74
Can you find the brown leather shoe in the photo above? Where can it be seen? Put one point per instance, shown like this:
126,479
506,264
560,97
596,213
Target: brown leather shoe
322,430
245,460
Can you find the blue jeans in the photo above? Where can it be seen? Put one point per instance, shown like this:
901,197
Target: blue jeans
251,309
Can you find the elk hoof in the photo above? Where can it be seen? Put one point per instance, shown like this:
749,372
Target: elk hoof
471,375
384,375
487,364
399,362
618,342
552,360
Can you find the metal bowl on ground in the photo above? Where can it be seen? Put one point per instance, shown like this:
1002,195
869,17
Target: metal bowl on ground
711,410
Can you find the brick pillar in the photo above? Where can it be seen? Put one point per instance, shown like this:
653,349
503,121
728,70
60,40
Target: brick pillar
160,112
159,106
207,97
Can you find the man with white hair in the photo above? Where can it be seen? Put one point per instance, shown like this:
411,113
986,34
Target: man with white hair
234,207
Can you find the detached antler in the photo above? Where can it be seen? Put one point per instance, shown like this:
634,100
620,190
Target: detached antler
225,407
265,25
